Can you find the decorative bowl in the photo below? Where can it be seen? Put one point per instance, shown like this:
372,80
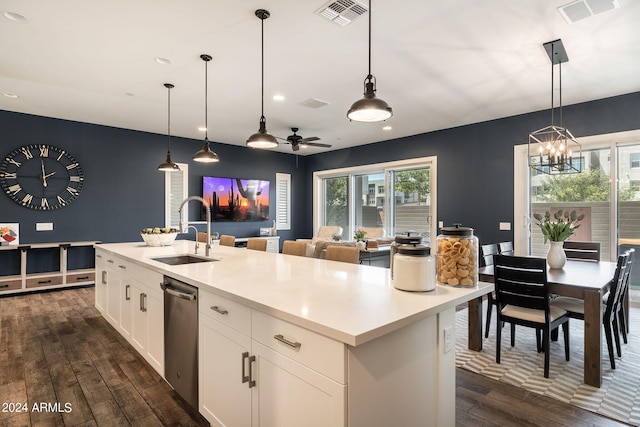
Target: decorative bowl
162,239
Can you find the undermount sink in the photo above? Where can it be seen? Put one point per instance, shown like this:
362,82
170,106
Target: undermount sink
182,259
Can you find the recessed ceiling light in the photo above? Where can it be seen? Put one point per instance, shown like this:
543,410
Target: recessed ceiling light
163,61
15,17
278,97
387,128
10,95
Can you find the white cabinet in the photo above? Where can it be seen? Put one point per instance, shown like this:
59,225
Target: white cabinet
130,298
246,382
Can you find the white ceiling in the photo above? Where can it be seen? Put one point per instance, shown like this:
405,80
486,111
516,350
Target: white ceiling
439,64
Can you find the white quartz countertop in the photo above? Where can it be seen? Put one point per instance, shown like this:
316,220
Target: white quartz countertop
347,302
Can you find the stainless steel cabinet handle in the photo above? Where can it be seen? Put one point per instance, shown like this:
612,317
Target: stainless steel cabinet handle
104,277
219,310
143,302
291,344
127,296
245,356
252,382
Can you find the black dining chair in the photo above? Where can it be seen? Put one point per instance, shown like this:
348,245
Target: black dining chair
505,248
522,294
613,314
488,251
583,251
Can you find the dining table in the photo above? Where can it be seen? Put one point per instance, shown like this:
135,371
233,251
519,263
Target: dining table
586,280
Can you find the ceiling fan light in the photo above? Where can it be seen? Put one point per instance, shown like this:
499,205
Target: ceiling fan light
206,155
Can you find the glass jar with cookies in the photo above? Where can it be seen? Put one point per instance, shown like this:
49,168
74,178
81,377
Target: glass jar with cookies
457,250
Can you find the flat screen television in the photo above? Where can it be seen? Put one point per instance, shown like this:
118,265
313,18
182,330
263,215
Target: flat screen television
236,199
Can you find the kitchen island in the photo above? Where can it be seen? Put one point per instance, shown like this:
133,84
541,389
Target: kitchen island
286,340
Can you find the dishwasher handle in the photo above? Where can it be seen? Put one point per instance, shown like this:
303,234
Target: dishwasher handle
176,293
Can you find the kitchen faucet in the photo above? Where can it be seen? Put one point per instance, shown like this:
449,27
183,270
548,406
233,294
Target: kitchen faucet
207,248
196,231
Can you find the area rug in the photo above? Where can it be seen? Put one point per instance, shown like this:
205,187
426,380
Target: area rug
523,366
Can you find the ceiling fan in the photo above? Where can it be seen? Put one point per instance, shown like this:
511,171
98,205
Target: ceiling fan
297,141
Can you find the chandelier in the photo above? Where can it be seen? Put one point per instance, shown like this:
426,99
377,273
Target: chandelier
553,149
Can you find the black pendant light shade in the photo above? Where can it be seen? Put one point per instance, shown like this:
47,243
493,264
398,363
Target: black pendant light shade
262,139
206,155
369,108
168,165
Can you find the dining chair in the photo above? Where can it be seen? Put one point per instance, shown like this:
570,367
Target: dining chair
291,247
612,307
257,244
202,237
226,240
622,314
505,248
522,294
488,251
583,251
349,254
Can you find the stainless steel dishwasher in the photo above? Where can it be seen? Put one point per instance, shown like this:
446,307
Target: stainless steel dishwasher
181,338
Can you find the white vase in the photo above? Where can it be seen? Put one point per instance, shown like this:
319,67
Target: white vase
556,257
361,245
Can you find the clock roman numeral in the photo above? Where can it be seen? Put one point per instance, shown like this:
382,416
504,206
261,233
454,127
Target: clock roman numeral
18,164
73,191
27,153
60,156
44,203
15,189
75,178
72,166
61,201
27,199
44,151
9,175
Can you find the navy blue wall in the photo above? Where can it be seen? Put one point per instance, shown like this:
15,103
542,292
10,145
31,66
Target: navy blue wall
475,162
123,191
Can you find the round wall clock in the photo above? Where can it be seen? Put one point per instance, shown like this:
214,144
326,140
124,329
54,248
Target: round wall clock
41,177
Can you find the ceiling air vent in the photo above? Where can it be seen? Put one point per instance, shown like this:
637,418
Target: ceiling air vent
342,12
581,9
313,103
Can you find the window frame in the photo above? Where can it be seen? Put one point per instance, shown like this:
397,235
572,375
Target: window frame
318,191
286,224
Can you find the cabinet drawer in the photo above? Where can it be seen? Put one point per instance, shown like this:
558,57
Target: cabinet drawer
230,313
10,285
38,282
313,350
81,278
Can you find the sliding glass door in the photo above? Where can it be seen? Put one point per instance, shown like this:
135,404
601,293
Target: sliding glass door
395,197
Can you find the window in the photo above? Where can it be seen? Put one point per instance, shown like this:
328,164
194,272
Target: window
634,159
176,189
354,197
283,201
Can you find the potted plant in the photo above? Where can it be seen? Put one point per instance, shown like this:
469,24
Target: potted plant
556,231
358,236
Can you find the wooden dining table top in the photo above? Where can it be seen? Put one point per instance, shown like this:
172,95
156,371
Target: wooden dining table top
584,274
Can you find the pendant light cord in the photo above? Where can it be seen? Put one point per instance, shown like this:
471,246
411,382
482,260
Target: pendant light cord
169,119
369,76
206,100
552,87
262,59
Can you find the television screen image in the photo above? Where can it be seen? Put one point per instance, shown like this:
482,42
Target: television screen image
235,199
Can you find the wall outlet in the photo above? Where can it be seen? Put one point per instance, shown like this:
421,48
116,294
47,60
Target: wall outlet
44,226
449,339
440,224
505,226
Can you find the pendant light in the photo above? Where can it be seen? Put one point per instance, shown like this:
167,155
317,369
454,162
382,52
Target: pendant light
553,149
369,108
206,155
168,165
262,139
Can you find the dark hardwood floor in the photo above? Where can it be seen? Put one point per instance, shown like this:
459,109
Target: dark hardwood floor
56,349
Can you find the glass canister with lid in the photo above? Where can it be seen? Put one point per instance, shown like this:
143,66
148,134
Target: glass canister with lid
415,269
407,240
457,256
